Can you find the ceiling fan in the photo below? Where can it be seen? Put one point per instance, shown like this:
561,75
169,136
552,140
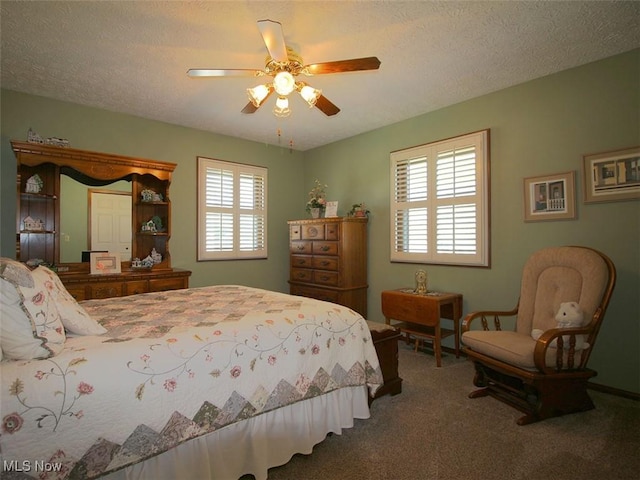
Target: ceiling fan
283,64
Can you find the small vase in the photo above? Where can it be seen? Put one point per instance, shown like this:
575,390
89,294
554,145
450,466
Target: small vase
315,213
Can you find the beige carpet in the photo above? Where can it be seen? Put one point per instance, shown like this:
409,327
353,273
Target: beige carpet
432,430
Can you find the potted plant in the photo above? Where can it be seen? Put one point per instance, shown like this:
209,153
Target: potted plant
359,210
317,200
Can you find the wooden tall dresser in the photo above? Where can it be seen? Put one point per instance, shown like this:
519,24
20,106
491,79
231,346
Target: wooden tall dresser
328,260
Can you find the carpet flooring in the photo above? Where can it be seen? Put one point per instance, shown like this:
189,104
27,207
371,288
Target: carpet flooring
433,431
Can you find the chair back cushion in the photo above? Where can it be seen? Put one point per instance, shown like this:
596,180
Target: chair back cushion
555,275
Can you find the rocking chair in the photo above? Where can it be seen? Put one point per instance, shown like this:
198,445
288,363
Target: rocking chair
546,377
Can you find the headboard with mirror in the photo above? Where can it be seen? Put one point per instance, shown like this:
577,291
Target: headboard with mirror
47,219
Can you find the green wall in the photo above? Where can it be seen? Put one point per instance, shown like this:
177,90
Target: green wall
537,128
103,131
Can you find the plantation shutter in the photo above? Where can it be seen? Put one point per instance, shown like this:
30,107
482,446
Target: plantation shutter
439,204
232,221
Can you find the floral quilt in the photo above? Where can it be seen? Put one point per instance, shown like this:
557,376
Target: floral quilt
173,366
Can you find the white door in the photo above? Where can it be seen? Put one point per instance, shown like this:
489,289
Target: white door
111,222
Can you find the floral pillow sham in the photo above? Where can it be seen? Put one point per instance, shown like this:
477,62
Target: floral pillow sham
31,326
74,318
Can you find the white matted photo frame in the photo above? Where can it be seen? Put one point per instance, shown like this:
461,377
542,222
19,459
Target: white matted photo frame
104,263
550,197
612,176
331,210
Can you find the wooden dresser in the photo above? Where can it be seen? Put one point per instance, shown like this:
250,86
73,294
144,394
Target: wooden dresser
89,287
328,260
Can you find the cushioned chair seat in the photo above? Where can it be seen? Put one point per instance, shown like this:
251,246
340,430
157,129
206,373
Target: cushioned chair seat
510,347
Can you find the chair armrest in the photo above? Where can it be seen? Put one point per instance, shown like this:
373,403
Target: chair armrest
484,318
565,349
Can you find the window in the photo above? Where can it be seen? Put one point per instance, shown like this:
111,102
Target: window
440,202
232,210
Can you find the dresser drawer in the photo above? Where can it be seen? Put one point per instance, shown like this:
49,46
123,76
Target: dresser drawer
162,284
106,290
302,261
136,287
313,232
301,274
295,232
332,232
78,292
326,263
323,277
317,293
325,248
300,247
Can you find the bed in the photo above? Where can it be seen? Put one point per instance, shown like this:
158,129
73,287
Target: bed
212,382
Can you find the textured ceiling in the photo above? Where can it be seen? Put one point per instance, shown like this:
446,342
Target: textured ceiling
132,57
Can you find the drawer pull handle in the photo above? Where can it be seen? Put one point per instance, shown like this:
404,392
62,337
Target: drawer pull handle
300,247
325,248
302,262
324,277
324,264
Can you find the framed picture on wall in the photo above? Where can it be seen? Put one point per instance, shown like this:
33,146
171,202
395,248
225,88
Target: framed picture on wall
612,176
104,263
551,197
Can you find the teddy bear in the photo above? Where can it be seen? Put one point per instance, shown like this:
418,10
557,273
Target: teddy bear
569,315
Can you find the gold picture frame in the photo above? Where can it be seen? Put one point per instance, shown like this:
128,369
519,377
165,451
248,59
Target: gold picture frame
550,197
105,263
612,176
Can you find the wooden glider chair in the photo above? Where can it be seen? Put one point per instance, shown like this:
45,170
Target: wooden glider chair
538,378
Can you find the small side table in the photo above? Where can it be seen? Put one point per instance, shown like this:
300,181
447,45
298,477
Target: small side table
420,315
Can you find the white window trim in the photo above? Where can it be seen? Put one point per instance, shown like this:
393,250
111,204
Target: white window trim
235,210
481,200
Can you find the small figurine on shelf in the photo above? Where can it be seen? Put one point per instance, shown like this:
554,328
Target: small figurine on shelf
33,225
34,184
149,226
146,262
147,195
156,256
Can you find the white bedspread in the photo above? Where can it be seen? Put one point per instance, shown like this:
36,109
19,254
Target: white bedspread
174,366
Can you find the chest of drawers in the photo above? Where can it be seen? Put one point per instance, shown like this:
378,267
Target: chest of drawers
328,260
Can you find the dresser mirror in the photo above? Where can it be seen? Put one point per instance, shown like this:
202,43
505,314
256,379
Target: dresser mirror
76,209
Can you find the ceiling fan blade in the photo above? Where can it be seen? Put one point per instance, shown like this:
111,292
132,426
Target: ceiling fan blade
273,39
249,108
219,72
353,65
325,106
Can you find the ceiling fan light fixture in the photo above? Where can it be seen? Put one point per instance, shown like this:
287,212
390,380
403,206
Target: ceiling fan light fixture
258,94
310,95
284,83
282,107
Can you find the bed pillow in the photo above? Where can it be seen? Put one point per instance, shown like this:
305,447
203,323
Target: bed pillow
74,318
31,326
